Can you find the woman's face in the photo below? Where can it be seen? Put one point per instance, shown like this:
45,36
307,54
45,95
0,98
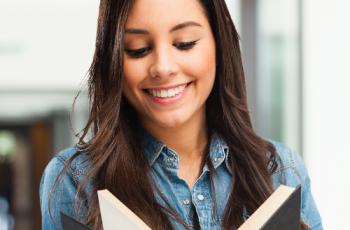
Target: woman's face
169,61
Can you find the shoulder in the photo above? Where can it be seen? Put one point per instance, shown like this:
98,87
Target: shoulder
79,165
61,187
77,169
290,159
291,166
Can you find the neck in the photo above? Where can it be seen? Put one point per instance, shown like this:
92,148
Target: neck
188,140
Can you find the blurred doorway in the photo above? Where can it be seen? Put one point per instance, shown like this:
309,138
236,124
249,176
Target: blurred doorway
25,150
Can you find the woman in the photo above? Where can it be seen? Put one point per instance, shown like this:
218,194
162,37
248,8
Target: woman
172,136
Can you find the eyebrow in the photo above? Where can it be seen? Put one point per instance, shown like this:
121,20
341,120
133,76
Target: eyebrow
183,25
180,26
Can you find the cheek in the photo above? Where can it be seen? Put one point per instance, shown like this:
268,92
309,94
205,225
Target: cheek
131,81
202,64
133,73
207,62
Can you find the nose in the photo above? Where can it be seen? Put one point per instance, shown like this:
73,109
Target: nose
165,64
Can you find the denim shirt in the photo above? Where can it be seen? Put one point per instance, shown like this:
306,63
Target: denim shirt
164,163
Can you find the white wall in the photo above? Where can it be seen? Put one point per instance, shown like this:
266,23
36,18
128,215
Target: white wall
46,44
234,6
326,107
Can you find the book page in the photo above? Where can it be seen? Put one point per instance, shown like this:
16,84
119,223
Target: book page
116,216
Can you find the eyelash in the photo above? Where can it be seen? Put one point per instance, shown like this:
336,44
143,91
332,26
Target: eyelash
183,46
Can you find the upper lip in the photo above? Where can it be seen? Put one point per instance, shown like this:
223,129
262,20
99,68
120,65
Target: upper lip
167,87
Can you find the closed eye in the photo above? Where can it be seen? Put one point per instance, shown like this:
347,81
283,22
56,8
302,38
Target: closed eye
185,45
138,53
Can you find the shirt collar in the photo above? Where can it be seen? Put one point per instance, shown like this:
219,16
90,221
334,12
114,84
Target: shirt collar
154,148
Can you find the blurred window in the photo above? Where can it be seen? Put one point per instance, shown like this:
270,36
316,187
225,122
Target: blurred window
279,71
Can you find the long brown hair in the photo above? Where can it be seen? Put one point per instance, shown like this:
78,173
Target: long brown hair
117,162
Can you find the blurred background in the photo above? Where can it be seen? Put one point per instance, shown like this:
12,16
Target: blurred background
295,55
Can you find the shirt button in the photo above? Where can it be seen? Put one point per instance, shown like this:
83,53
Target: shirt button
217,159
200,197
170,159
186,202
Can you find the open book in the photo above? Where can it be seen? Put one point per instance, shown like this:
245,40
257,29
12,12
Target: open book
280,211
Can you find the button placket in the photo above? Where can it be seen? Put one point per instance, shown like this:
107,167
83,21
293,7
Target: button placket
186,201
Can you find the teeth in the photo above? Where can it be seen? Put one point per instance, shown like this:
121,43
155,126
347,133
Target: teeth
163,93
171,93
167,93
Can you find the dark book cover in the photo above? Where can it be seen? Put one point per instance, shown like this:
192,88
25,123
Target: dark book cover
287,216
69,223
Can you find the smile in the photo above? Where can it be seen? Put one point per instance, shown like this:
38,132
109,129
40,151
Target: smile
168,93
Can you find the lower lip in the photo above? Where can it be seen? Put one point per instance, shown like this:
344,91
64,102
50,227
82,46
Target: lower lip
170,100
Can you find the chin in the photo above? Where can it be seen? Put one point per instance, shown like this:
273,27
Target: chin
170,122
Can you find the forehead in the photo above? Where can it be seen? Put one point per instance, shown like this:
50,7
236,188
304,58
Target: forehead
164,13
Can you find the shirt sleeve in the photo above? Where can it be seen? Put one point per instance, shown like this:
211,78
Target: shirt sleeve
309,212
63,195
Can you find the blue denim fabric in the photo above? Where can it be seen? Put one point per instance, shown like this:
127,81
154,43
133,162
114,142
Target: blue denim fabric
165,165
